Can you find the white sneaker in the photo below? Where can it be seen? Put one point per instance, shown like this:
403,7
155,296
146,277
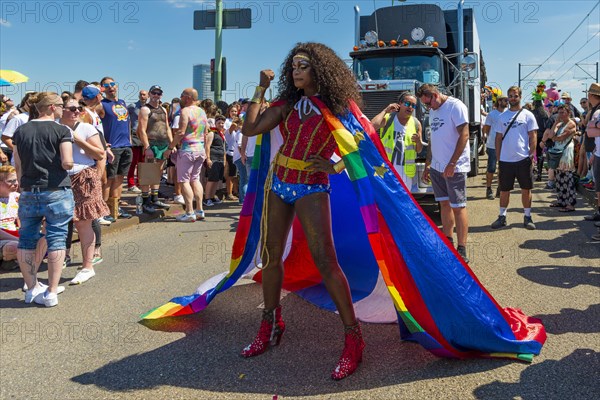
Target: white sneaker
103,221
83,276
47,299
199,215
36,292
186,218
59,290
179,199
134,189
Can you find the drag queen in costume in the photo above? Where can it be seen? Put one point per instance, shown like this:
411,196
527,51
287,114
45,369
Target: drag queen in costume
374,255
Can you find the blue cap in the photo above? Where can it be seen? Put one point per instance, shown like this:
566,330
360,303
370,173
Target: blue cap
90,92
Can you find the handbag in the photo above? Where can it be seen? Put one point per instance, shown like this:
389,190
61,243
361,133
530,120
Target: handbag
555,152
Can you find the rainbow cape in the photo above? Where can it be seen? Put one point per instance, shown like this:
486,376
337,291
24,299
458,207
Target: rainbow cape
399,265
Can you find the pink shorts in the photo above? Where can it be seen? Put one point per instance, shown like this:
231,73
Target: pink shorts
189,165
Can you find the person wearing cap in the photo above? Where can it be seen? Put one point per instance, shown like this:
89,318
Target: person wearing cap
490,144
155,134
118,137
137,148
43,153
593,131
566,98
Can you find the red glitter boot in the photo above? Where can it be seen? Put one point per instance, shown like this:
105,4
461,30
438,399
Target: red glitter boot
269,334
352,354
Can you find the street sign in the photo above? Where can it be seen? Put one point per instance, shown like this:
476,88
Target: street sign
233,18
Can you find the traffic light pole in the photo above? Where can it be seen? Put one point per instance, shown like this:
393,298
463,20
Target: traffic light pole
218,48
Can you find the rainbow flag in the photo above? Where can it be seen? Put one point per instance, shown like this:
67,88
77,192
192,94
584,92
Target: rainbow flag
399,265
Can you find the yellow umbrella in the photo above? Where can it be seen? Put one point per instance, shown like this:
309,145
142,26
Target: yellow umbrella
12,76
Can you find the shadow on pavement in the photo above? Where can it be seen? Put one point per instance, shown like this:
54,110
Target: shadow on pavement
572,377
561,277
208,359
571,320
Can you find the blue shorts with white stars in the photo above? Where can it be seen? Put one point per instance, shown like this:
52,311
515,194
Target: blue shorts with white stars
292,192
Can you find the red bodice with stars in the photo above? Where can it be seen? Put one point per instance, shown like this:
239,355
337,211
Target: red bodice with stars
302,140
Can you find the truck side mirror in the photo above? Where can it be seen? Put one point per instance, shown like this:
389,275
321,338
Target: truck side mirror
470,65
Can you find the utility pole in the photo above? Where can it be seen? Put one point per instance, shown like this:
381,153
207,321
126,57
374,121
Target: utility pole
218,48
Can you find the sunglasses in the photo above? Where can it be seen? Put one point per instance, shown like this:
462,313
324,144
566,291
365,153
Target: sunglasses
11,181
156,93
110,84
409,104
73,109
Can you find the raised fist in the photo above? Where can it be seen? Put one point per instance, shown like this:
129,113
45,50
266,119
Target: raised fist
266,76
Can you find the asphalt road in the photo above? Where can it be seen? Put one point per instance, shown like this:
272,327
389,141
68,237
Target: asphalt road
93,345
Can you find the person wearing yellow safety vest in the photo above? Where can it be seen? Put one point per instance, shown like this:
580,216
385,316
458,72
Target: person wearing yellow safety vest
400,133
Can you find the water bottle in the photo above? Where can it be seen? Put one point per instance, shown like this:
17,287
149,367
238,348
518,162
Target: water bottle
138,204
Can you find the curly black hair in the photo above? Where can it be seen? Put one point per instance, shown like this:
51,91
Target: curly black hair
335,81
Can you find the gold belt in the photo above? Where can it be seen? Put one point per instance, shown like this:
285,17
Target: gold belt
291,163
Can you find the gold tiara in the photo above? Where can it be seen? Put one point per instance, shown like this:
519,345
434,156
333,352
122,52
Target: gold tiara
307,58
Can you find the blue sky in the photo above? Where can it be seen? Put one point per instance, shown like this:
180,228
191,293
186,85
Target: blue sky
141,43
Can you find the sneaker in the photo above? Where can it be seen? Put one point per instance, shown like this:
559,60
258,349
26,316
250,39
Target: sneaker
103,221
186,218
97,260
217,200
67,262
585,180
83,276
199,215
59,290
500,222
528,223
594,217
589,185
134,189
230,197
549,185
591,188
109,218
160,204
538,178
47,299
37,291
208,203
489,194
123,214
178,199
148,208
462,250
9,265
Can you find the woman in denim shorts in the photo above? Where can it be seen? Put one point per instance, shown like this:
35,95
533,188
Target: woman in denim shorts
43,154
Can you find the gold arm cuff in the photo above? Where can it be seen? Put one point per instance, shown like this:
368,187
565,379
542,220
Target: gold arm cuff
259,94
339,166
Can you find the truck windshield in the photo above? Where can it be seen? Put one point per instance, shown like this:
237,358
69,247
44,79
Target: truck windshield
422,68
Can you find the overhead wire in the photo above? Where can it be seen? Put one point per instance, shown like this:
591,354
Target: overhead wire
567,39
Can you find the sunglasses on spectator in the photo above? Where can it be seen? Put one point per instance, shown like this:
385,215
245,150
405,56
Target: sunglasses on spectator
11,181
110,84
156,93
73,108
409,104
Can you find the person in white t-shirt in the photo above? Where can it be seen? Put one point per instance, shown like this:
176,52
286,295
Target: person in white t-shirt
86,184
490,144
515,149
448,161
593,131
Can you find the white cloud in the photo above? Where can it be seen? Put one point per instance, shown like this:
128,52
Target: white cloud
188,3
4,23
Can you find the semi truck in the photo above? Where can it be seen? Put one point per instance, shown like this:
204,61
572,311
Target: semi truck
402,47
